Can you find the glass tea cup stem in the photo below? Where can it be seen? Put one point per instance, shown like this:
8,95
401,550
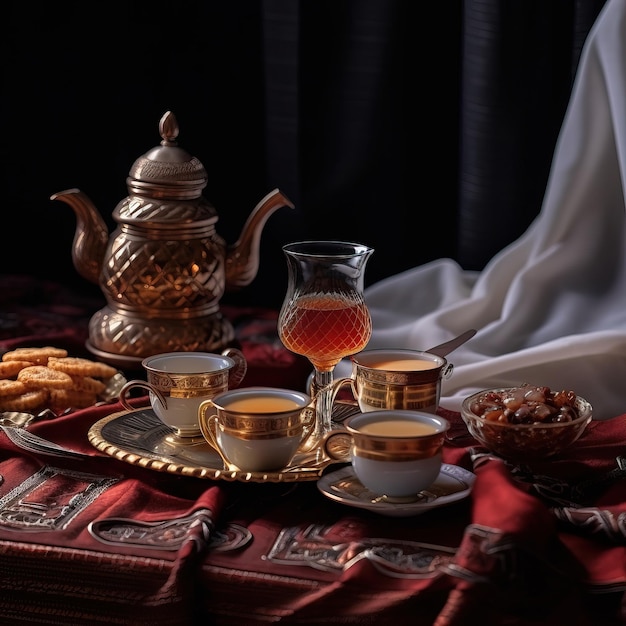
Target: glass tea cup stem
322,391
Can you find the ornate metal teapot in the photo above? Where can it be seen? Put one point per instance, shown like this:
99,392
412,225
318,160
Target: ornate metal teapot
164,268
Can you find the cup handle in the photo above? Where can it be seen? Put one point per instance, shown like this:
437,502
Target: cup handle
239,370
447,372
131,384
336,385
205,405
209,427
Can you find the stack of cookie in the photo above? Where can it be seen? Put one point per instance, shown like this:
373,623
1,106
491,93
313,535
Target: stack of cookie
38,378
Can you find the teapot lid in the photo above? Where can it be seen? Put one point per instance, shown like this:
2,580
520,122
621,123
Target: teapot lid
167,171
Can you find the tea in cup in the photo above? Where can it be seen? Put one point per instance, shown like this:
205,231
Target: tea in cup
256,429
396,379
395,453
178,382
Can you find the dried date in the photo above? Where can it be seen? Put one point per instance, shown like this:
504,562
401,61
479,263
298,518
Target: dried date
527,404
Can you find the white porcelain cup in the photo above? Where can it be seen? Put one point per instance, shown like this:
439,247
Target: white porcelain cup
396,379
395,453
178,382
257,429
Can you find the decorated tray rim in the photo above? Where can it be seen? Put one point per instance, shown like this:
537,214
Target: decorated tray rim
159,463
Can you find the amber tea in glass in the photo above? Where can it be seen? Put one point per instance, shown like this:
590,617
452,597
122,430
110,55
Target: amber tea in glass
324,316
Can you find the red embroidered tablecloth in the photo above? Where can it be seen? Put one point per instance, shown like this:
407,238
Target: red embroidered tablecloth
96,539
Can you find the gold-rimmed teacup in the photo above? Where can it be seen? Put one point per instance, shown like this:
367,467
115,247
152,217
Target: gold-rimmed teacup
178,382
396,379
395,453
257,429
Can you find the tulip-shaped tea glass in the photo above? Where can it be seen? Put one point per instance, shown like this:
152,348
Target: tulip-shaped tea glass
324,316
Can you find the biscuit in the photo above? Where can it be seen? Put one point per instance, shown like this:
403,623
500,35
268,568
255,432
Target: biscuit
11,387
36,378
88,384
27,401
10,369
63,399
78,366
44,377
38,356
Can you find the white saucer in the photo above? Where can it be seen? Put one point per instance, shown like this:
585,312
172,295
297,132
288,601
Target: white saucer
453,483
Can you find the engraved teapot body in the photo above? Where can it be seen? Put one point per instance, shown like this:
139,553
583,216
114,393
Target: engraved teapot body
164,268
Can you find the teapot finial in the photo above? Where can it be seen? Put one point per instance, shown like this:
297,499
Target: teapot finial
168,171
168,129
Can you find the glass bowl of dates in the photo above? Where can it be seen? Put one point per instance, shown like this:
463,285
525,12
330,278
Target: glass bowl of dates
526,422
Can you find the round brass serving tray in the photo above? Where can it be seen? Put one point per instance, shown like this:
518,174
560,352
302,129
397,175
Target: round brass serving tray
140,438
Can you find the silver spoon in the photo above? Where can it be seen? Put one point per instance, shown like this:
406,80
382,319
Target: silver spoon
443,349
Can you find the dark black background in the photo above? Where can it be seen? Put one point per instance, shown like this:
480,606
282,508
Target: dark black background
422,129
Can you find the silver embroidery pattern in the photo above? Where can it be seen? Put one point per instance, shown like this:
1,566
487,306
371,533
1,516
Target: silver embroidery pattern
395,558
50,499
594,522
170,534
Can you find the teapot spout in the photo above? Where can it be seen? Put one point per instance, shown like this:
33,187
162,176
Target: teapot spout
91,236
242,258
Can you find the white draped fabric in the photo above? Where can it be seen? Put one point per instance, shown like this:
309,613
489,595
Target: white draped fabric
550,308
